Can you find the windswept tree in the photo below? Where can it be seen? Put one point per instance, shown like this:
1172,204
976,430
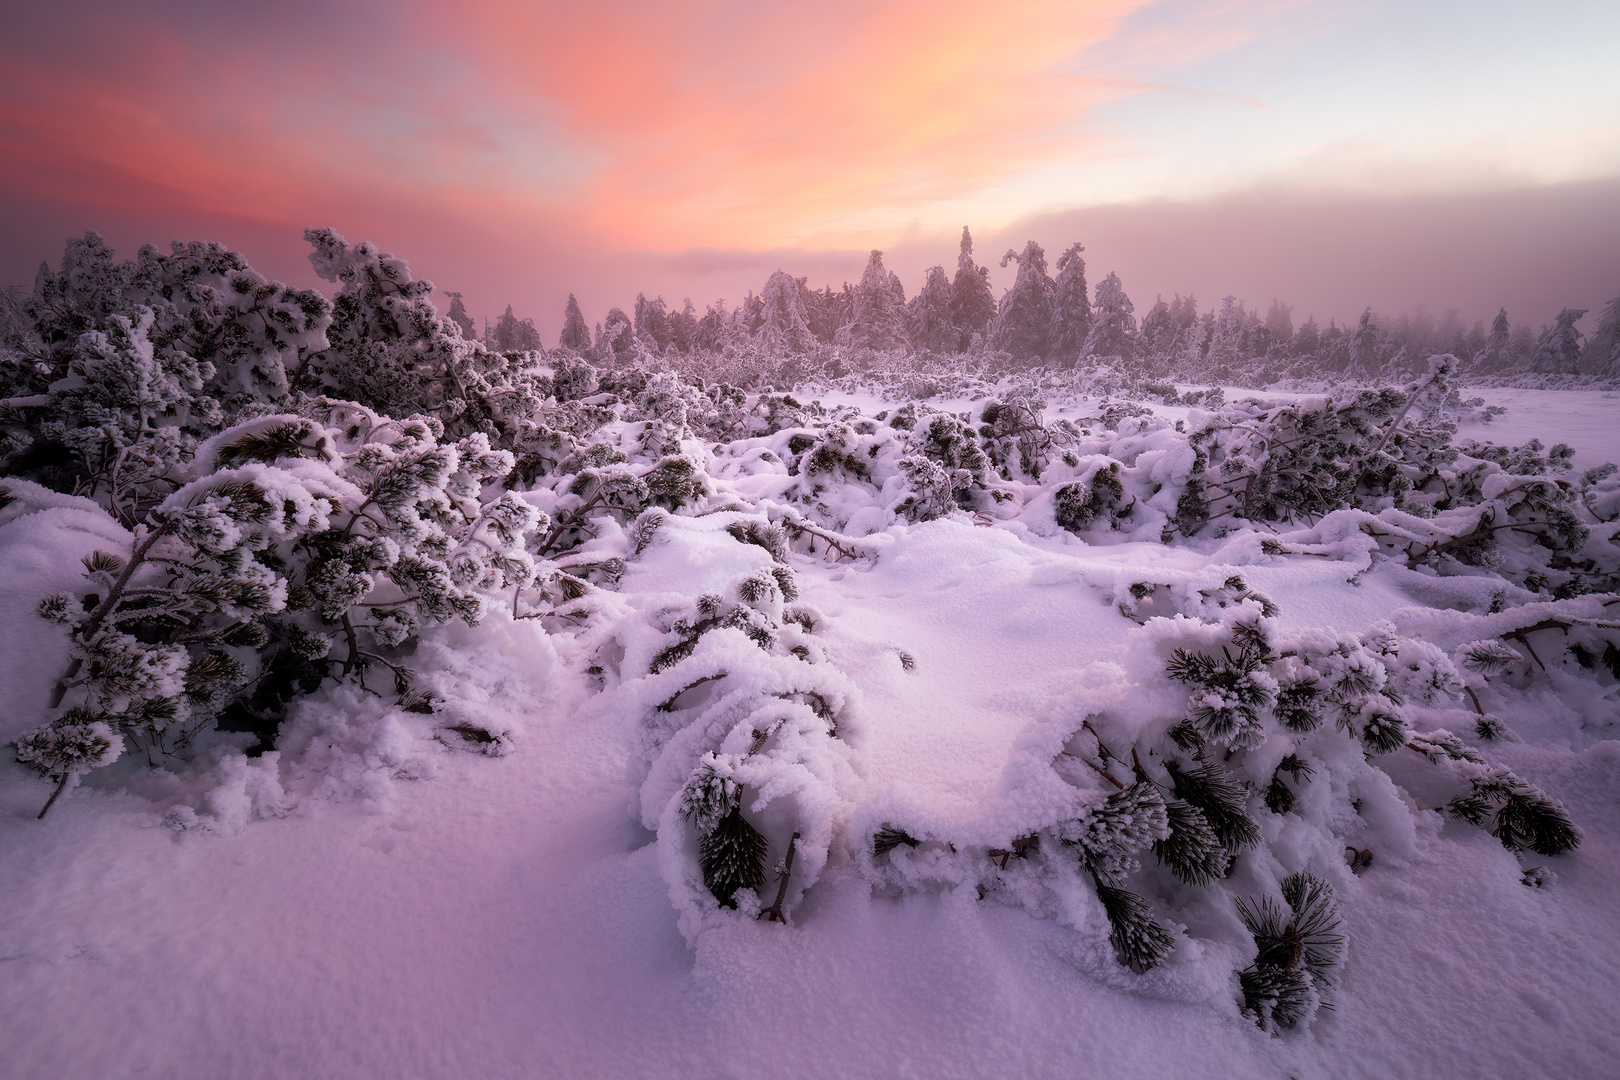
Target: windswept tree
1280,325
878,320
576,332
1025,315
783,330
652,323
512,334
683,327
930,315
1364,346
1602,354
1071,307
458,315
390,349
973,305
616,342
1113,327
1226,345
1498,345
1558,352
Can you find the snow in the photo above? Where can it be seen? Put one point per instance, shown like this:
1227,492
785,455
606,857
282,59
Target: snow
379,898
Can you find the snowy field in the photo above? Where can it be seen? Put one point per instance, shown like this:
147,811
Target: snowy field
373,900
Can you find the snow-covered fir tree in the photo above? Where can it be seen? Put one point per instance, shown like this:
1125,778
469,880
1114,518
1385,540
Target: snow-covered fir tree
783,330
973,304
1071,307
1113,327
878,319
930,326
576,332
1024,318
1602,354
1558,351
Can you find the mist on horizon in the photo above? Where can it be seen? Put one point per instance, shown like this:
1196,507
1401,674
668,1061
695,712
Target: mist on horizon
1330,156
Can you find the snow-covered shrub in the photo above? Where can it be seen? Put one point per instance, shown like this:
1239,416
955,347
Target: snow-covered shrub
1224,730
306,548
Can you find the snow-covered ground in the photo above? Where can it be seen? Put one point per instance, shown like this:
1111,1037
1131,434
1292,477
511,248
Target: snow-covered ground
408,909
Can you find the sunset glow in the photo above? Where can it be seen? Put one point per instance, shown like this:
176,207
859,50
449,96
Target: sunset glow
593,131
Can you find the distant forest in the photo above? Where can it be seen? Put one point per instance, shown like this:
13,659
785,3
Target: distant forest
1061,321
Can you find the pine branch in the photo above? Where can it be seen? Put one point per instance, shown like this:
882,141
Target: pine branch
111,601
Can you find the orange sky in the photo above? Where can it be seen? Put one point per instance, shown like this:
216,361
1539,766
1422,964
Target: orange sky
519,150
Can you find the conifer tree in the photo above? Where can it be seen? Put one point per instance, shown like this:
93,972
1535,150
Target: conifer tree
458,315
1602,354
1226,344
1024,318
931,328
878,319
973,305
783,330
390,349
1558,351
576,333
1071,307
683,327
616,342
652,323
1280,325
512,334
1113,328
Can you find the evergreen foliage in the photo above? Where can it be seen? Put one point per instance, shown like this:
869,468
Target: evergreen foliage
1071,308
973,305
877,321
930,325
1023,320
1299,950
1191,850
1113,326
576,332
1221,800
311,487
1139,940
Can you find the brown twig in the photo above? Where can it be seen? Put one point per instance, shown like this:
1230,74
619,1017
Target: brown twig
61,787
774,912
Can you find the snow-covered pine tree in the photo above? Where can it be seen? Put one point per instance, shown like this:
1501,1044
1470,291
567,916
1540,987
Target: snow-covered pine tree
1113,327
1280,325
783,330
1558,350
254,334
458,315
1366,349
88,287
683,327
122,421
512,334
931,328
652,323
1024,317
1071,307
1225,346
391,350
878,319
576,333
1602,354
616,343
299,534
973,304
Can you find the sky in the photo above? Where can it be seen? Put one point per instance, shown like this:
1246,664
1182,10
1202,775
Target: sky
1333,154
